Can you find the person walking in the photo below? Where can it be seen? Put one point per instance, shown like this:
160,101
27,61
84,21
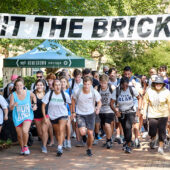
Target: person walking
157,100
42,122
124,108
84,99
22,103
57,110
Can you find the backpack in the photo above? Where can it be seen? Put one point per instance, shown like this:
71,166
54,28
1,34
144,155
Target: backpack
91,90
62,94
118,91
110,88
5,95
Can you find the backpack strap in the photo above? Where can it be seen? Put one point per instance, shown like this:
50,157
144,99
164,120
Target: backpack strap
78,94
99,88
131,91
70,91
117,94
63,96
72,85
110,88
51,93
93,95
118,81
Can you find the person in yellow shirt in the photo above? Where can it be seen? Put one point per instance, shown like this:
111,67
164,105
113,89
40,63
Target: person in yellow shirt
157,101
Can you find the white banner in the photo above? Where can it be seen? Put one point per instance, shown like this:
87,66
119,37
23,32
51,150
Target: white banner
146,27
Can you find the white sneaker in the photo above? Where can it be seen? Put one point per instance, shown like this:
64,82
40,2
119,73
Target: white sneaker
44,149
65,144
74,135
96,141
160,150
145,134
26,150
22,151
69,144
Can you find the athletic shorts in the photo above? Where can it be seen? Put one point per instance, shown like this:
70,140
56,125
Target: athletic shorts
106,118
27,120
40,119
56,121
87,121
97,118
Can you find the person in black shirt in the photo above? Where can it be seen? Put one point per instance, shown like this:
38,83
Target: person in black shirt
42,126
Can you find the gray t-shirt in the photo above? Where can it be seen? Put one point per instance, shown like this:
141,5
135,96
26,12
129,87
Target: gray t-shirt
106,98
125,99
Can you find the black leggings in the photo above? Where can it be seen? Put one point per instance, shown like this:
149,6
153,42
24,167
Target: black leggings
158,125
127,121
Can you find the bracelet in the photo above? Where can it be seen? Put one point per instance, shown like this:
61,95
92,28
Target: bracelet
73,112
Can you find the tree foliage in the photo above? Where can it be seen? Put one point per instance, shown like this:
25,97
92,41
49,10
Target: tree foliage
115,53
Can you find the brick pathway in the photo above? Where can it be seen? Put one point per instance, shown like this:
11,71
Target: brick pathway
115,158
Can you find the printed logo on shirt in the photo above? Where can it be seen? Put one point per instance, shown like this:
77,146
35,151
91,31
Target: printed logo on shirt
23,111
57,100
125,98
105,99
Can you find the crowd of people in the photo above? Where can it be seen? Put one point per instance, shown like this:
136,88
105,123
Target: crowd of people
90,106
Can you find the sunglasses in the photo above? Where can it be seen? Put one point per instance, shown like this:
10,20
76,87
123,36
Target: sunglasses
39,77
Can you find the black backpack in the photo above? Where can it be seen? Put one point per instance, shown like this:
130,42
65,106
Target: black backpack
118,91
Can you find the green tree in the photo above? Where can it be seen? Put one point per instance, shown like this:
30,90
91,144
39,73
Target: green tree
116,52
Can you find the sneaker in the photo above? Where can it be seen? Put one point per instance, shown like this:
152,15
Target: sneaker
102,134
22,151
59,152
99,138
132,144
74,135
145,134
160,150
89,153
26,150
65,144
108,144
153,144
68,144
80,144
104,144
44,149
122,139
128,149
112,139
137,143
96,141
118,140
124,146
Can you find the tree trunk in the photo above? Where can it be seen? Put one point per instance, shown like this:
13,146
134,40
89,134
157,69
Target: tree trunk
99,62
